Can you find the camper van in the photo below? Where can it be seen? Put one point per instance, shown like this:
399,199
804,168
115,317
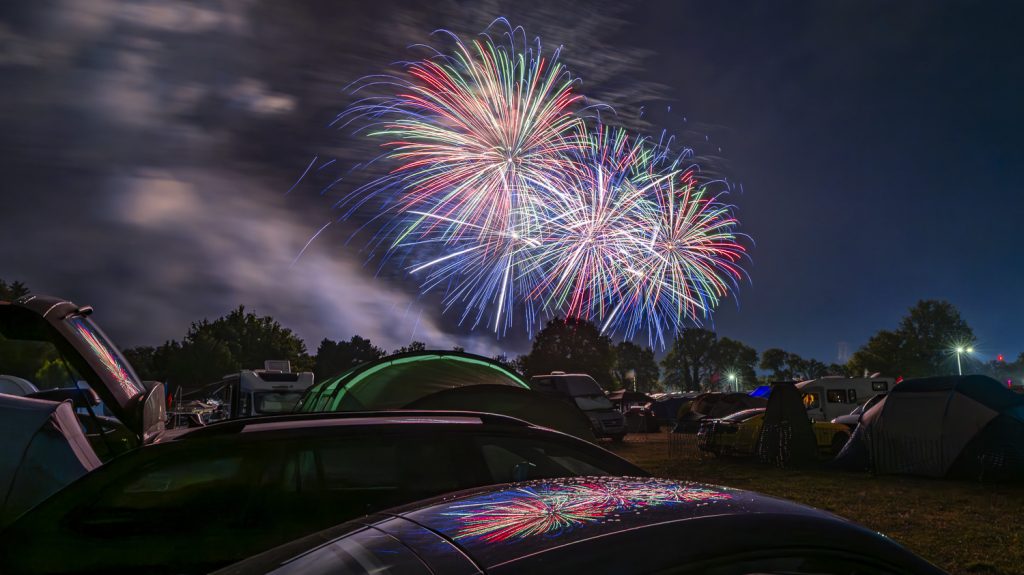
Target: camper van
268,391
605,420
827,398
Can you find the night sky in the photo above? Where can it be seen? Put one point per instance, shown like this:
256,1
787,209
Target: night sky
875,147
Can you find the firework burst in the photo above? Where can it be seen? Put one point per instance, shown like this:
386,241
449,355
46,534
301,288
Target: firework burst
687,262
503,199
474,135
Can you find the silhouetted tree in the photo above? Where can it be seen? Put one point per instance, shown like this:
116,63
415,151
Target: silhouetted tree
251,339
921,345
413,346
211,350
513,365
635,364
334,358
12,291
730,356
776,361
573,346
688,362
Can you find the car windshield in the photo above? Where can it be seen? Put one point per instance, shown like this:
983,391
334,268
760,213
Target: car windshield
592,402
270,402
744,415
576,385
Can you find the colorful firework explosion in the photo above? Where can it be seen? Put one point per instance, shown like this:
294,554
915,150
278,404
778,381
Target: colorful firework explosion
502,198
475,134
552,508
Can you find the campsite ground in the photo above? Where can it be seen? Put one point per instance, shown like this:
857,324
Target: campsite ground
961,526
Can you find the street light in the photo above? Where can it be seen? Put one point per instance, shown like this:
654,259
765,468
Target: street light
959,350
732,380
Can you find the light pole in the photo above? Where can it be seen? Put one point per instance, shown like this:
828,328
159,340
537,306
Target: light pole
733,381
959,350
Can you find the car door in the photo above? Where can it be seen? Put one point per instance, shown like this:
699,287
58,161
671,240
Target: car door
178,510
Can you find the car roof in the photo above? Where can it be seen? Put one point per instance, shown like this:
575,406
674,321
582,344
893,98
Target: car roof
528,526
251,426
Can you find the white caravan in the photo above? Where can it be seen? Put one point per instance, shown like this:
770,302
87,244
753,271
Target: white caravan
827,398
272,390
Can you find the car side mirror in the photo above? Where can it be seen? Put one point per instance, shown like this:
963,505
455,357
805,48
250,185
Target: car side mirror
154,413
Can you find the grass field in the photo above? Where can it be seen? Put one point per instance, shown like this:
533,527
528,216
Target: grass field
960,526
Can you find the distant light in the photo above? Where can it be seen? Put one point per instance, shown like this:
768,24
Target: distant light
999,357
970,350
959,350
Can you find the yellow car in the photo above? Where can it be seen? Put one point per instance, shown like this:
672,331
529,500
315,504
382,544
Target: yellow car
737,434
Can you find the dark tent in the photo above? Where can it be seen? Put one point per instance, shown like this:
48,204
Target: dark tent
715,405
537,408
395,381
787,436
626,397
666,408
970,426
727,403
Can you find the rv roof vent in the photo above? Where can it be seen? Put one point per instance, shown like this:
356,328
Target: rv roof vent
282,365
557,373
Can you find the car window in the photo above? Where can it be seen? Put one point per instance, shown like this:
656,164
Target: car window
371,471
593,402
158,496
511,459
836,396
269,402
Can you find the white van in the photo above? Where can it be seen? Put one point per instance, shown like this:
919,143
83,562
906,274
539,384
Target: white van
587,395
827,398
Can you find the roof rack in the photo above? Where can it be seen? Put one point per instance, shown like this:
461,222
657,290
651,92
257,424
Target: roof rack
234,426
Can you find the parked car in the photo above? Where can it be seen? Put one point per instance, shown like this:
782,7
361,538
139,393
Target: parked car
852,419
594,525
60,335
217,494
737,434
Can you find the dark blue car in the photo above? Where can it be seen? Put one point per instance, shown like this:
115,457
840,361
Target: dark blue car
594,525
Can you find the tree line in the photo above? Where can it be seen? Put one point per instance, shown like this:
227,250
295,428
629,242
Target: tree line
697,359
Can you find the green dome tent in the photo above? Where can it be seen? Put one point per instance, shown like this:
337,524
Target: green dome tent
443,380
395,381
